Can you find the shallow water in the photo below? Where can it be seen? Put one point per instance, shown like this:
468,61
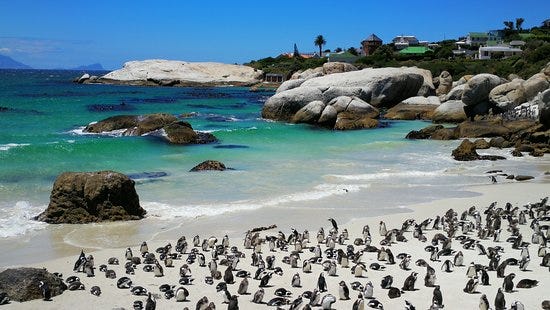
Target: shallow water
283,173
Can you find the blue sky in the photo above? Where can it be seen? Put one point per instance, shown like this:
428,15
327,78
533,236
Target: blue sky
60,33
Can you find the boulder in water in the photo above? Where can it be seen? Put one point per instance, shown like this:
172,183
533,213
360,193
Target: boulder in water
209,165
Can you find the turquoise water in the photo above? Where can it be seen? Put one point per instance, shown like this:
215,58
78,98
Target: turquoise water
276,165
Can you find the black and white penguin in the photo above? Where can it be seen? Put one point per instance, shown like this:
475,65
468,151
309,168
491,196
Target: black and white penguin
409,305
243,287
181,294
516,305
113,261
437,298
79,261
483,302
124,283
265,279
447,266
409,282
95,290
72,279
296,303
386,282
128,254
296,280
158,270
500,302
484,277
359,303
151,302
228,275
258,296
143,248
343,291
527,283
4,298
471,271
327,301
373,303
394,292
321,283
45,290
471,285
76,286
382,230
508,284
334,224
368,292
459,259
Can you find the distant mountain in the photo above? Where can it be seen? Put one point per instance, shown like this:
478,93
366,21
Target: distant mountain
8,63
92,67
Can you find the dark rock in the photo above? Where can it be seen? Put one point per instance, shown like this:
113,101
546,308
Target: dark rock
181,132
113,123
517,153
404,111
482,129
424,133
350,121
537,153
85,197
135,125
21,284
525,148
209,165
523,177
499,142
510,177
494,171
465,151
481,144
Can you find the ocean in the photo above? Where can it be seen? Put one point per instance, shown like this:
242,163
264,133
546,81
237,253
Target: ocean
283,174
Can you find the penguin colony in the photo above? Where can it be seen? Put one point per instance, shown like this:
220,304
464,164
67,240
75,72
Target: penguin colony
248,274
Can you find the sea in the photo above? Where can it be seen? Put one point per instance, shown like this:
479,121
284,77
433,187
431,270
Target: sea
284,174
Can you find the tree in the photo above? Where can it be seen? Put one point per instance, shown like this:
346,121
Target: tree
338,50
353,51
519,23
509,25
320,41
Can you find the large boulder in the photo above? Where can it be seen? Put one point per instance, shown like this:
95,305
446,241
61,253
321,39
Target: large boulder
337,67
383,87
482,129
310,113
414,108
455,93
466,151
86,197
290,84
181,132
478,88
451,111
536,84
509,95
543,101
351,121
308,73
445,83
181,73
21,284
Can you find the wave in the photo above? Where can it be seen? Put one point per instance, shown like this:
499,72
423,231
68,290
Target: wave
8,146
167,211
229,130
387,175
80,132
17,220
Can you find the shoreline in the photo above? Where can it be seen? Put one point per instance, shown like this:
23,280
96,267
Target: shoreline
516,193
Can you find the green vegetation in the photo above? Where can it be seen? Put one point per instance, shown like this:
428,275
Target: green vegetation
286,65
320,41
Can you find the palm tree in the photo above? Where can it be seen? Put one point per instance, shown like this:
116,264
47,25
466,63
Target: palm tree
519,23
509,25
320,41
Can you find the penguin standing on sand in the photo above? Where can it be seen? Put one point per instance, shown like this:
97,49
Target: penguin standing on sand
243,287
258,296
158,270
437,298
343,291
483,302
359,303
471,272
45,290
181,294
500,302
151,302
296,280
459,259
321,283
508,284
233,303
368,292
382,229
334,224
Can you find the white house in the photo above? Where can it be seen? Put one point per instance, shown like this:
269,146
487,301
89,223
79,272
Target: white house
488,52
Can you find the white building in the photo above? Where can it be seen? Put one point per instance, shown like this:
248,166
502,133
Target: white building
488,52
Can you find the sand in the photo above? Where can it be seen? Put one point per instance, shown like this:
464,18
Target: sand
451,284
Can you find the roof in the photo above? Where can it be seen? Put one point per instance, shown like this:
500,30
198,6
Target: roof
499,49
415,50
517,43
373,38
478,35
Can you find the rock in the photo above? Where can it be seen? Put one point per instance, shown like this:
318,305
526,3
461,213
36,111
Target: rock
537,152
282,106
290,84
150,122
455,93
482,129
135,125
209,165
424,133
463,80
337,67
310,113
181,73
543,101
328,117
523,177
499,142
308,74
478,88
350,121
414,108
509,95
535,84
87,197
83,78
354,105
481,144
451,111
21,284
445,83
466,151
181,132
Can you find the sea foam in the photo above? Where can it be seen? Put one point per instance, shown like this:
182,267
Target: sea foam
8,146
17,220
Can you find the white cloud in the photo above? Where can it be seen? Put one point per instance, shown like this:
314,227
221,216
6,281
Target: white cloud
5,50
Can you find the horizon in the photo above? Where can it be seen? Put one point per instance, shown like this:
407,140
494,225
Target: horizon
65,34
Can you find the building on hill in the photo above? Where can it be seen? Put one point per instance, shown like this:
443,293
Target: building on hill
370,44
274,78
499,51
477,38
401,42
415,50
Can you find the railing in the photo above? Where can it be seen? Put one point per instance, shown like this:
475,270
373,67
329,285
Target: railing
522,112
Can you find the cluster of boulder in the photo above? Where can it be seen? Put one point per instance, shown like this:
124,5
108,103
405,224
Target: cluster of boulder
22,284
158,72
166,126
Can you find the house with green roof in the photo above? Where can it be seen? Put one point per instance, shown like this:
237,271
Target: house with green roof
477,38
415,50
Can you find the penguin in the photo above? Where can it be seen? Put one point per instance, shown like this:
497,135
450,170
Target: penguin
471,285
228,275
181,294
265,279
447,266
508,284
296,303
359,303
409,282
373,303
437,298
484,277
158,270
394,292
79,261
382,229
368,292
45,290
89,268
459,259
258,296
500,302
483,302
327,301
306,266
111,274
72,279
143,248
343,291
516,305
138,290
277,301
471,272
233,303
296,280
243,287
202,303
282,292
334,224
386,282
527,283
75,286
124,283
321,283
332,269
138,305
128,254
151,302
114,260
95,290
4,298
409,305
315,298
